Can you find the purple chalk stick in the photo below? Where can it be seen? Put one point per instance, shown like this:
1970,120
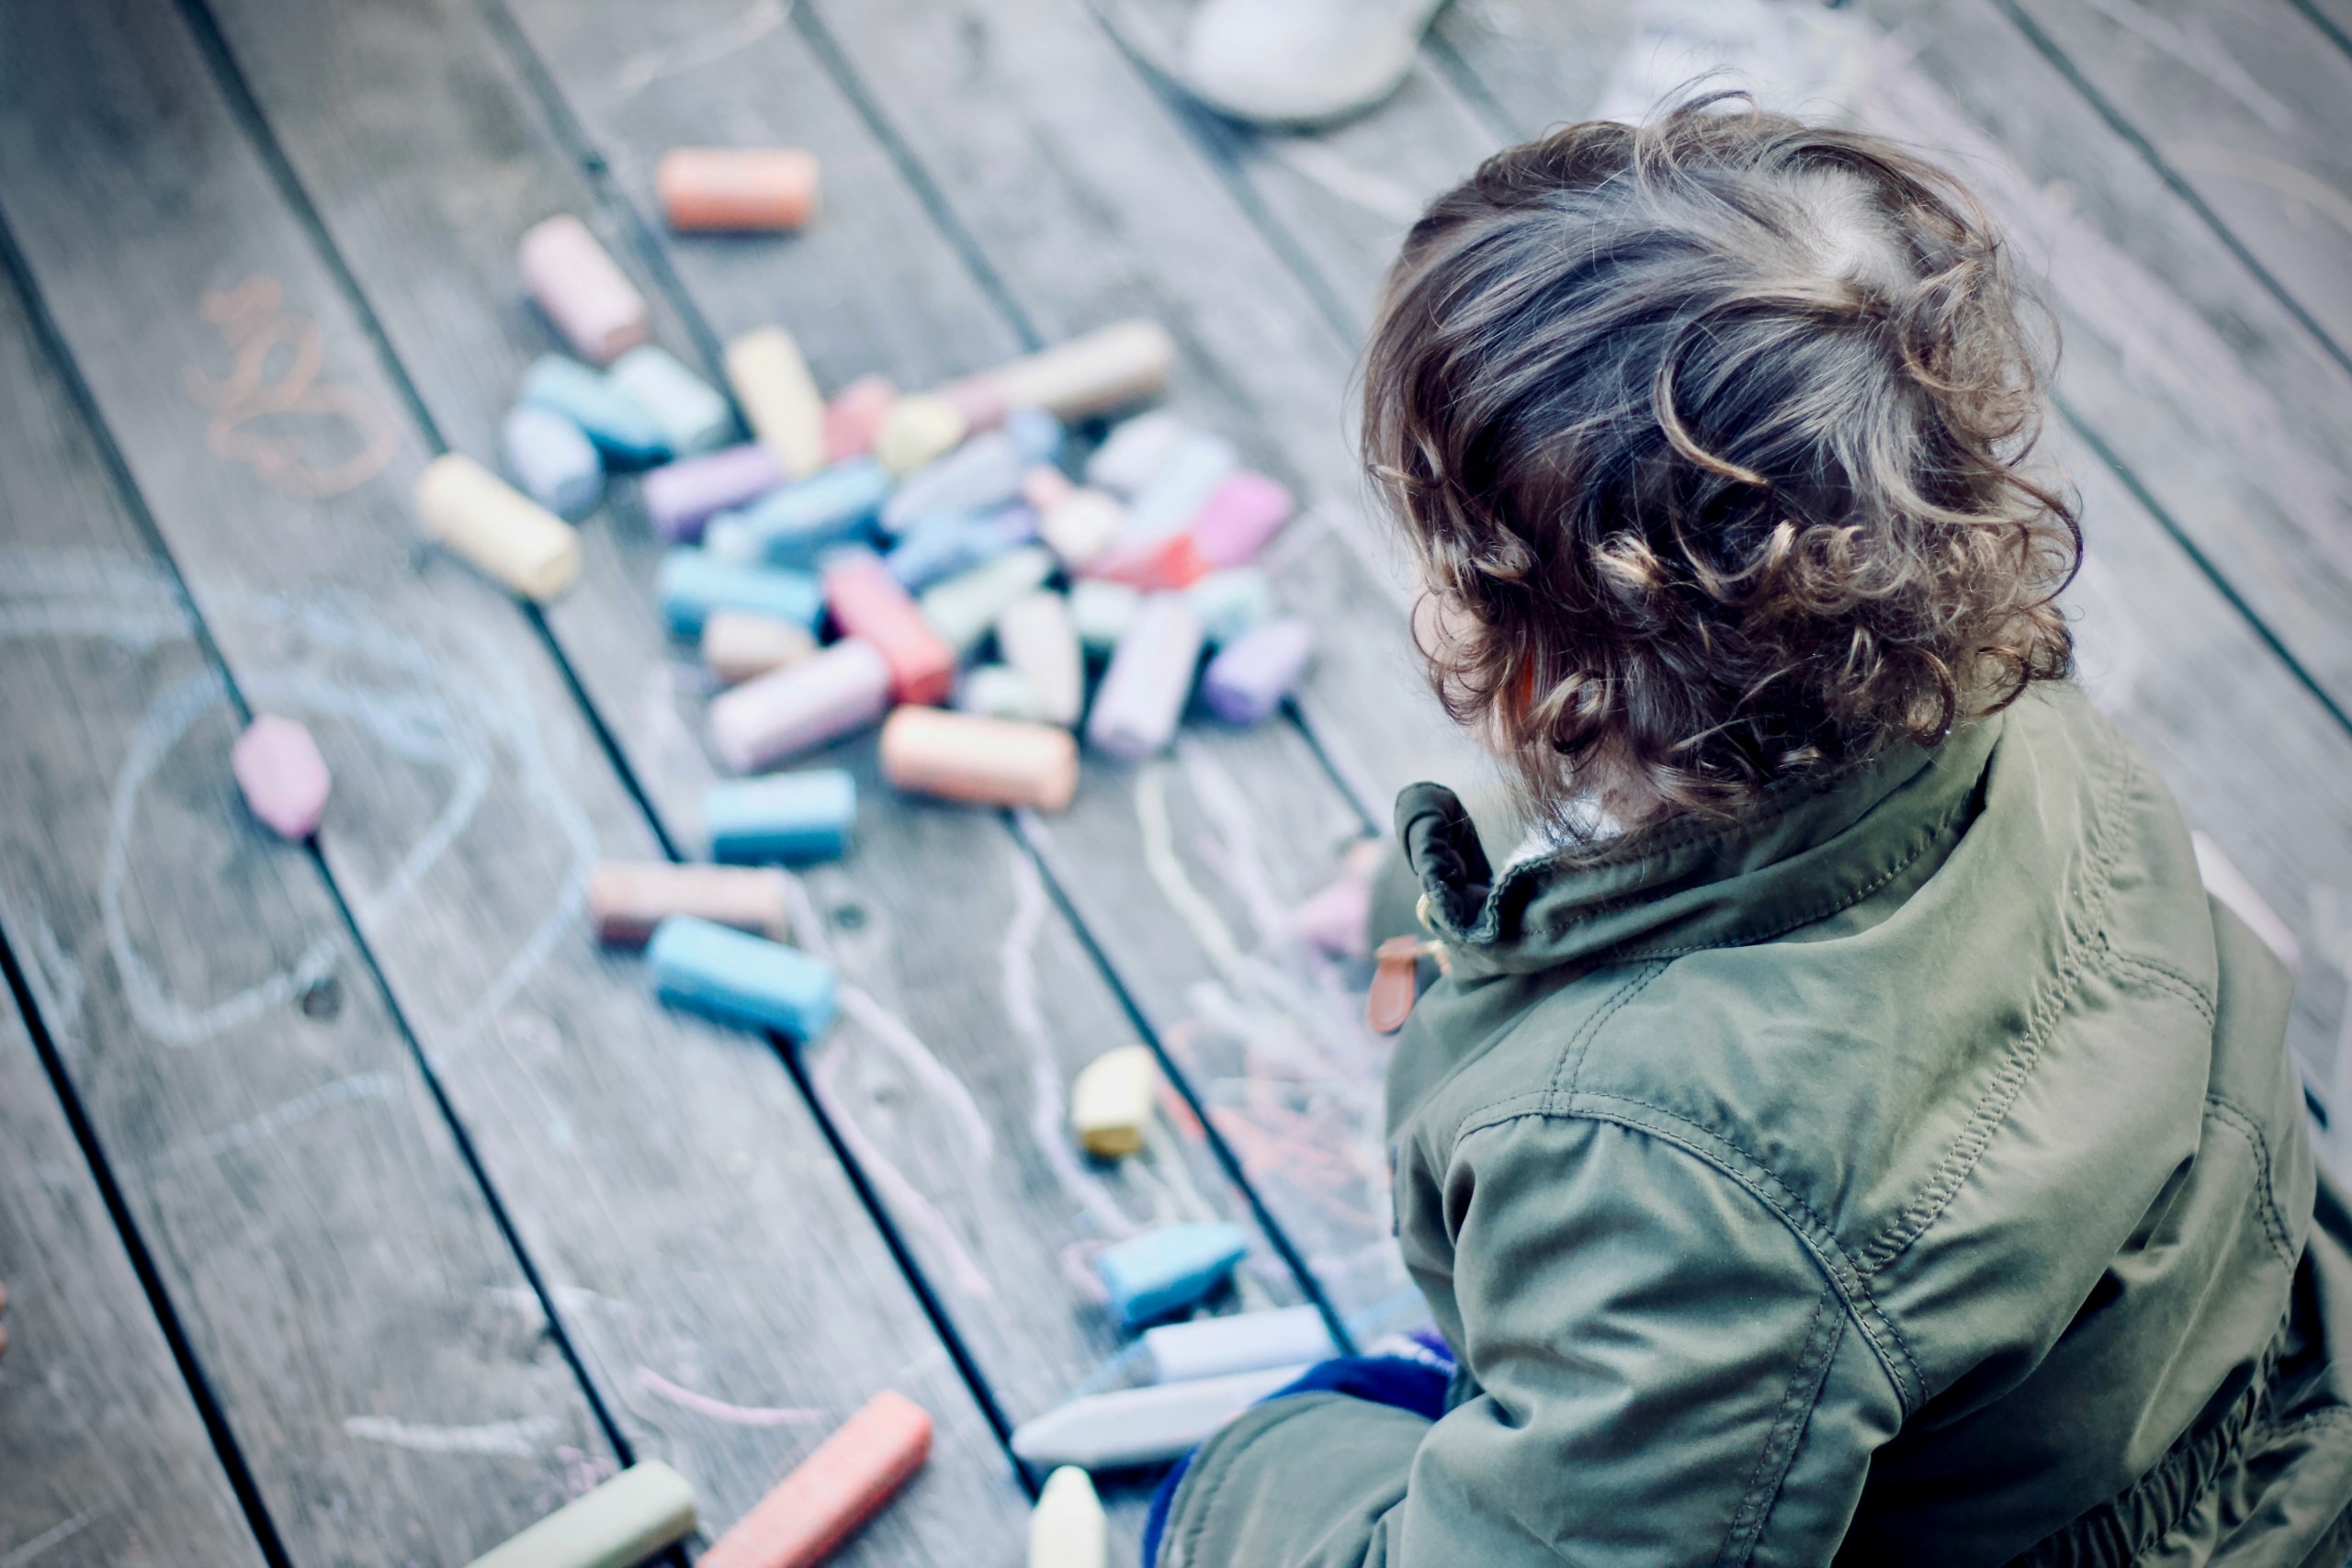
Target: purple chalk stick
1239,517
1257,669
680,497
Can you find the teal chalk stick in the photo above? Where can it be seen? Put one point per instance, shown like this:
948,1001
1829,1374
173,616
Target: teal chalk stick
793,525
1169,1269
742,978
784,817
617,422
621,1523
694,583
693,416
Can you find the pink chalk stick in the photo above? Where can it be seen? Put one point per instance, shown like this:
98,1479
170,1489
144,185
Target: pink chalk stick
284,779
680,497
832,1492
1240,516
855,415
802,706
1338,920
1142,695
589,298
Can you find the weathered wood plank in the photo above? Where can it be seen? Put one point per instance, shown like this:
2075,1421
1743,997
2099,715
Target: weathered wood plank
2248,107
341,1281
107,1459
710,1260
924,913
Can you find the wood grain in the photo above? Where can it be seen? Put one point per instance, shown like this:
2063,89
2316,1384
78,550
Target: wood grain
107,1459
921,914
341,1279
710,1259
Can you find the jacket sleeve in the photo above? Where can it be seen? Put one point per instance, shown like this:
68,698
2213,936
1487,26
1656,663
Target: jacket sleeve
1651,1346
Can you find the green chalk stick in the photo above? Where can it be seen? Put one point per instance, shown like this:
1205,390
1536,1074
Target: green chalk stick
621,1523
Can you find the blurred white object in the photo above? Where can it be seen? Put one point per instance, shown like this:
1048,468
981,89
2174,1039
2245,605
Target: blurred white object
1299,63
2226,882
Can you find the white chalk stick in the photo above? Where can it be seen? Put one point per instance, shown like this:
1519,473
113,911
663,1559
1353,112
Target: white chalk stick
1067,1529
1142,1426
1237,1342
625,1521
1034,636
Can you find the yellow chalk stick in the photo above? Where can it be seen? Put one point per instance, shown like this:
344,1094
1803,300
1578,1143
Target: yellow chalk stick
1110,1105
779,399
625,1521
496,529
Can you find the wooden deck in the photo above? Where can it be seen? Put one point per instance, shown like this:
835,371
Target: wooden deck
355,1207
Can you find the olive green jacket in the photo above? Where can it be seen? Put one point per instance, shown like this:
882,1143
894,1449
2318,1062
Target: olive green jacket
1910,1172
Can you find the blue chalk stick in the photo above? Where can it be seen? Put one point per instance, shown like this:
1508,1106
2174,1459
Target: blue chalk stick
740,977
784,817
552,459
1168,1271
1036,435
954,543
793,525
692,415
694,583
617,422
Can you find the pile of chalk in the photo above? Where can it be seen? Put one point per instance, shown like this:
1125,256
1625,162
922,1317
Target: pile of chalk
940,563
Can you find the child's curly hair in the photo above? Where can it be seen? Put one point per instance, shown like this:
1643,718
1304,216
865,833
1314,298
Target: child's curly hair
1711,432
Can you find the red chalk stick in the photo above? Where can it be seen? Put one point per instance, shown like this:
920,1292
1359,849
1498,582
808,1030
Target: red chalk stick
832,1492
868,603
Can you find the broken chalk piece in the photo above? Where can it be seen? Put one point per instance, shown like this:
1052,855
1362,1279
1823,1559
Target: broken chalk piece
962,609
496,529
1237,1342
1101,611
1171,560
855,415
1067,1529
779,398
1142,1426
738,645
990,761
683,496
284,779
1080,526
629,899
918,430
842,688
1110,1103
1142,695
740,979
1134,450
1231,601
693,416
736,189
1338,917
868,603
793,525
832,1492
1240,516
1250,679
792,818
984,472
694,583
552,459
1034,636
614,421
999,691
622,1522
1170,1269
1109,369
1180,487
582,291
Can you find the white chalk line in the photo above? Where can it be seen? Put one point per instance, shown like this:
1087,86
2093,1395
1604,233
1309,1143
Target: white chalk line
684,1398
519,1439
906,1203
55,1535
356,1090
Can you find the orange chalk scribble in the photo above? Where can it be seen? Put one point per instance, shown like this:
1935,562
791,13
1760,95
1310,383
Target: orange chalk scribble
252,324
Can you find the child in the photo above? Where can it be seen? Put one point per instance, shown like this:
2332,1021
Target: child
1853,1134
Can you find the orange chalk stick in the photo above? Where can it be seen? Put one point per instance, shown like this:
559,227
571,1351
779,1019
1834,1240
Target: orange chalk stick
737,188
629,899
845,1482
993,762
867,602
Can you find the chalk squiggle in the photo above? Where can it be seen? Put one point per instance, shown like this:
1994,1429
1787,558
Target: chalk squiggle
653,1383
519,1439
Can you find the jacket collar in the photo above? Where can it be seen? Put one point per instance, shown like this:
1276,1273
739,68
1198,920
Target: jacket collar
1810,848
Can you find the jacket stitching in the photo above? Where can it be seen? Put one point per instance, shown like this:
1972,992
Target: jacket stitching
1993,1106
2274,1223
1768,1188
2165,979
1797,1404
1571,1063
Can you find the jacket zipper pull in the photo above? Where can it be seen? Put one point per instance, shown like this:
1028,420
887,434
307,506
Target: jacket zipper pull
1396,982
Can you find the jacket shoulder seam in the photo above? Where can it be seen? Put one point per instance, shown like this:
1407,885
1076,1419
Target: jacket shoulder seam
1798,1401
1812,1232
2274,1223
2165,977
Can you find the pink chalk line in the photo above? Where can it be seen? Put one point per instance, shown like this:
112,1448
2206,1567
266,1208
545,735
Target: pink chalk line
718,1409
